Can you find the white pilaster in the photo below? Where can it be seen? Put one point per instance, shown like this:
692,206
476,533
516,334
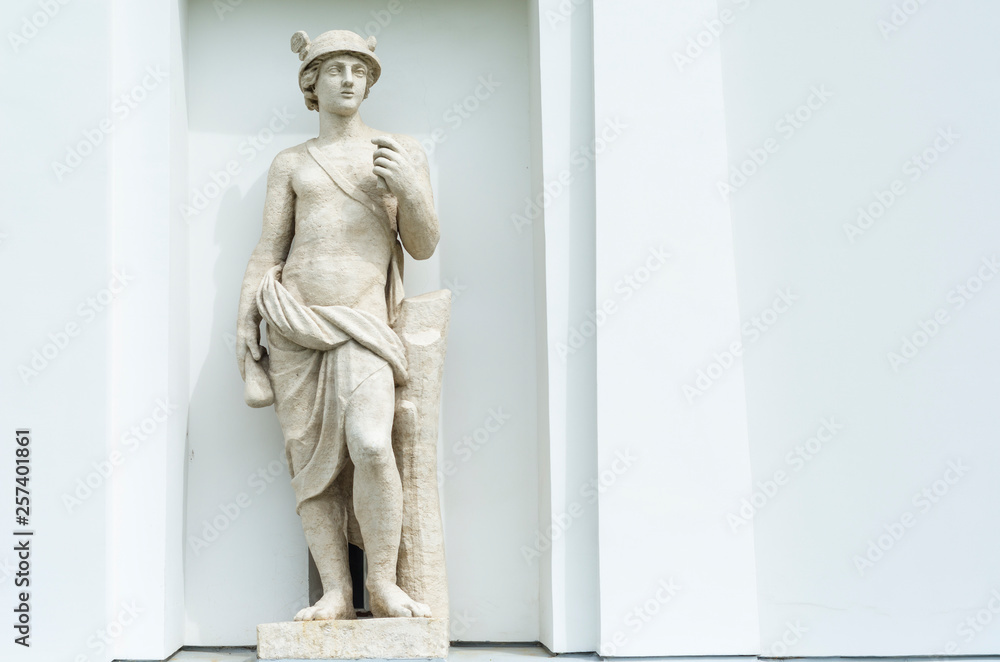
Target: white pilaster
675,579
148,401
564,250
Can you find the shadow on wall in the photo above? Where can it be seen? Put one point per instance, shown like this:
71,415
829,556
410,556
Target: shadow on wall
227,513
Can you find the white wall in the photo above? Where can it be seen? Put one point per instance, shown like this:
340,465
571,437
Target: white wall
566,550
434,55
827,356
149,333
676,512
674,580
93,258
55,255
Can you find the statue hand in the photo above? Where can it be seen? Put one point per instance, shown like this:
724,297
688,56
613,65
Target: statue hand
247,340
394,165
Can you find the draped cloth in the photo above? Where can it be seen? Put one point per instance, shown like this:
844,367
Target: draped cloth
319,356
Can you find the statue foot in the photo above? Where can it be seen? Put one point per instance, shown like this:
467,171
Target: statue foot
389,600
331,607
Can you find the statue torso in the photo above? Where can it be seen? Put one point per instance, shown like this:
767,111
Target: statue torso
341,251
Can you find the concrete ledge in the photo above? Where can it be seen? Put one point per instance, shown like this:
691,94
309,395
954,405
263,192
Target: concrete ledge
535,653
364,638
204,654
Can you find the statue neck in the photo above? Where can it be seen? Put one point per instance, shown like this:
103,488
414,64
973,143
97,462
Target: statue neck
334,127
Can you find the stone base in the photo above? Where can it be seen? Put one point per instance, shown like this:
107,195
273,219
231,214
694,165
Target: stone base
364,638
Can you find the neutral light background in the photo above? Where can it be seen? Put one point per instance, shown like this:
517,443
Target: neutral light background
55,256
663,519
827,356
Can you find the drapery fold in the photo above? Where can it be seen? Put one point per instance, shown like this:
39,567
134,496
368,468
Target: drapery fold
319,356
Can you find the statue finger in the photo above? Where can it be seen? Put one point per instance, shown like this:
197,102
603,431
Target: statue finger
386,141
384,153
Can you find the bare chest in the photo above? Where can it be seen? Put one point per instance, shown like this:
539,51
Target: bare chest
352,171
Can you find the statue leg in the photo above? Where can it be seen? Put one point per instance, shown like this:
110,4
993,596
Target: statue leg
378,493
324,521
294,374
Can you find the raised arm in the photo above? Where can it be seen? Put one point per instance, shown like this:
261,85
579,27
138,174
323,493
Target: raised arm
275,240
401,162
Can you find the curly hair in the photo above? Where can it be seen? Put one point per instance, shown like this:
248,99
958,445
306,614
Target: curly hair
307,79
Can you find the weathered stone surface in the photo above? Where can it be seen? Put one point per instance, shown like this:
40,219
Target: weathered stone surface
354,369
420,569
365,638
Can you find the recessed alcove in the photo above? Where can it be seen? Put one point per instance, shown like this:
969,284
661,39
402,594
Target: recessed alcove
456,74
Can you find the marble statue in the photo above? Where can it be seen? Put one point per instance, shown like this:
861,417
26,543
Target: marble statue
352,368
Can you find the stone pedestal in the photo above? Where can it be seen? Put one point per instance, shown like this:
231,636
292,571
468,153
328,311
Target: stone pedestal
364,639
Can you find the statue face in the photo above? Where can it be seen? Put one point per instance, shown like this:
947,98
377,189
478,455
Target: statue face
341,84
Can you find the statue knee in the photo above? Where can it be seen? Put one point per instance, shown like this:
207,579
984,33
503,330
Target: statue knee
372,451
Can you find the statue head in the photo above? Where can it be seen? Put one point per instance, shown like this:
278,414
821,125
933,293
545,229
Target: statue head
338,58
